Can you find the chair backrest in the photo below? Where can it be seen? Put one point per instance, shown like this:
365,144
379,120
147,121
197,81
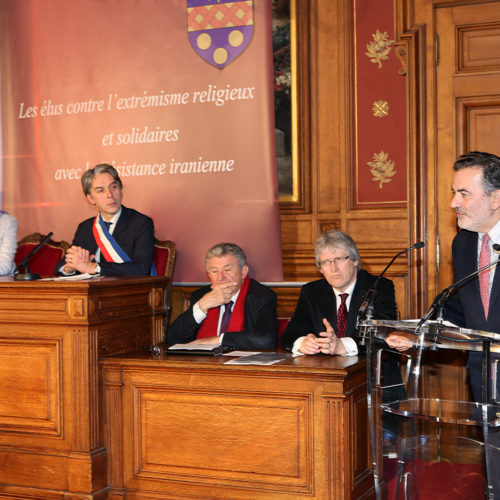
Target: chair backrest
164,257
45,260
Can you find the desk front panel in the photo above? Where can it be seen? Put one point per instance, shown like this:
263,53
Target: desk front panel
51,336
195,428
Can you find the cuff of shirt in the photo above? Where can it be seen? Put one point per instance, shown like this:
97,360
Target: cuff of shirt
296,346
61,270
198,314
351,348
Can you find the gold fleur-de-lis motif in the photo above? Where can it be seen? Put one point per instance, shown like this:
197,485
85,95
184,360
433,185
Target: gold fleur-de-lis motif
382,168
380,109
379,48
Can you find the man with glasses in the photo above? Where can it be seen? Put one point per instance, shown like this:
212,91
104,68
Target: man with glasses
234,309
325,317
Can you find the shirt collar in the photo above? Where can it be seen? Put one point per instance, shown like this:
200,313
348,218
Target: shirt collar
494,233
115,217
348,290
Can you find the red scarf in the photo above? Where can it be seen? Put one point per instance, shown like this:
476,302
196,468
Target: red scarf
211,322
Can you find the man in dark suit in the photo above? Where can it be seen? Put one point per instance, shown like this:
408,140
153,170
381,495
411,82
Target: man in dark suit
324,320
476,200
314,327
233,310
476,304
119,241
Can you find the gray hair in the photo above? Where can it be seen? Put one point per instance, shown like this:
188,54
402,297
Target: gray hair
222,249
102,168
487,162
333,240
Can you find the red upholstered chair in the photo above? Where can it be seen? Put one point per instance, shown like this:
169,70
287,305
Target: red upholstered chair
164,259
45,260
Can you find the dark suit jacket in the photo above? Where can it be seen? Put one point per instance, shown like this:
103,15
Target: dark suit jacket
260,324
134,232
464,308
317,301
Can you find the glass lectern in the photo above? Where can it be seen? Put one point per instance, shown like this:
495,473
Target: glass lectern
443,449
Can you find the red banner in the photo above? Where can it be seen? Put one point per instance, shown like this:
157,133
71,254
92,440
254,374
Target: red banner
180,105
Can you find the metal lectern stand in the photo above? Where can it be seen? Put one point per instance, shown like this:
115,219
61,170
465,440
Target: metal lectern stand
416,414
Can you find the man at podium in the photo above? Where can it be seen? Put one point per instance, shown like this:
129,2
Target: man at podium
119,241
476,200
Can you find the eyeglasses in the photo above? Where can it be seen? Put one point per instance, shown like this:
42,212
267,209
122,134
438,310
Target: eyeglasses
337,261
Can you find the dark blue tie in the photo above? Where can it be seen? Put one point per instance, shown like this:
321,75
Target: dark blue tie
226,317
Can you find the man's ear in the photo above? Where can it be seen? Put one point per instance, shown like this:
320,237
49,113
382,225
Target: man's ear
244,271
495,199
90,199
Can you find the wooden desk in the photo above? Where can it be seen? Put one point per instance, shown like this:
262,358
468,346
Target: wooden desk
51,336
191,427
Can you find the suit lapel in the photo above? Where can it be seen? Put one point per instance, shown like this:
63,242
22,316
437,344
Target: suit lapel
330,303
357,296
121,225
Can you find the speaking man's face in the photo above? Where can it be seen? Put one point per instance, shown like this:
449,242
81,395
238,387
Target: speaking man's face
106,195
337,267
476,209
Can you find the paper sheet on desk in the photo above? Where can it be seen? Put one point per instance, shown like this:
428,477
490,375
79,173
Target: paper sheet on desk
263,358
193,347
73,277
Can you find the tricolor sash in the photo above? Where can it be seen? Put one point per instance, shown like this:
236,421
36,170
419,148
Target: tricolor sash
211,322
109,247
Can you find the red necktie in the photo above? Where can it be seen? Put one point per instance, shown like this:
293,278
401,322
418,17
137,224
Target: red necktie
342,316
484,277
226,317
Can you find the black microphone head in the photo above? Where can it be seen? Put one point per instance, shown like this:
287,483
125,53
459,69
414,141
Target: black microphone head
496,247
420,244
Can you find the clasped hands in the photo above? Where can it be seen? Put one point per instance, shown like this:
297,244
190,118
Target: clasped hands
79,259
326,343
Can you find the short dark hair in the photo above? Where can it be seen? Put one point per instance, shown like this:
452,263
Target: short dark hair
487,162
222,249
102,168
336,239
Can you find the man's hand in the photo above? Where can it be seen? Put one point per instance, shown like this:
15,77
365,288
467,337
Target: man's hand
399,342
220,294
326,343
79,259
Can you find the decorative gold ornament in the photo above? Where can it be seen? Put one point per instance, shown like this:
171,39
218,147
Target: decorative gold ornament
380,109
382,168
379,48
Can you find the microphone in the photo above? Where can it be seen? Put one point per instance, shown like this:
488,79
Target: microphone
24,263
441,298
368,302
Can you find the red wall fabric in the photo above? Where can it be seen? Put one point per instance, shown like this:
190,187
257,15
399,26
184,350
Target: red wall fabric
378,80
86,82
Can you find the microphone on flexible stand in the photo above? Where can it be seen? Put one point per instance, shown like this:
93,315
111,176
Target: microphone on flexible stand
441,298
27,276
368,304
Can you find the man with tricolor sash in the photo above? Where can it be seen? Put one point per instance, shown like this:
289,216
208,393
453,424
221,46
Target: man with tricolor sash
234,309
119,241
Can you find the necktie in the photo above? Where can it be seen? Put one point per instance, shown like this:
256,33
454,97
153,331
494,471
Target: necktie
342,316
107,224
226,317
484,277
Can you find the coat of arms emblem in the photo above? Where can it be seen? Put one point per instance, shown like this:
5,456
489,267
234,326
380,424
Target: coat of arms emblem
219,30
